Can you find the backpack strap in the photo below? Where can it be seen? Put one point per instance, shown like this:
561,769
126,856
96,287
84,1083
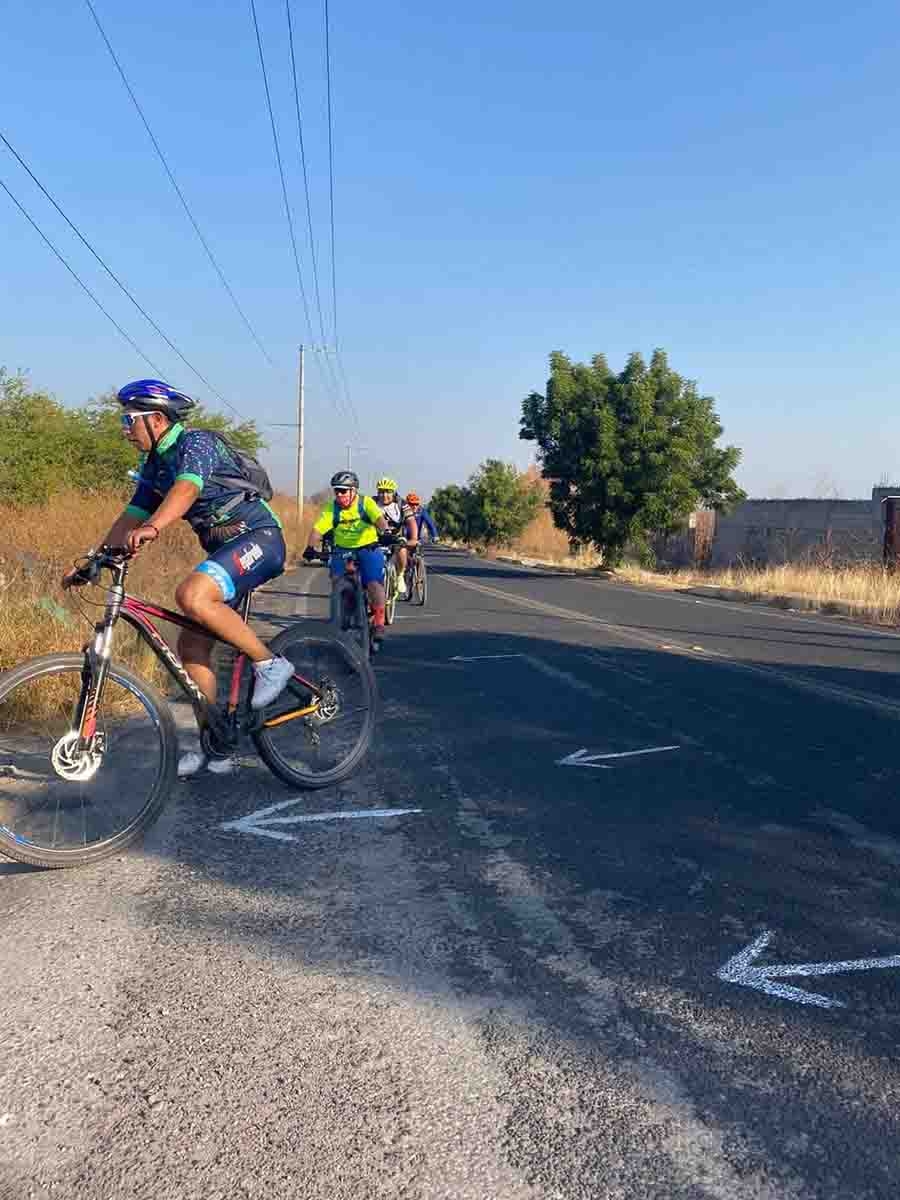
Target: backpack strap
360,512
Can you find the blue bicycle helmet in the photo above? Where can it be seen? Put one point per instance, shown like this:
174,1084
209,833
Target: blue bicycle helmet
152,395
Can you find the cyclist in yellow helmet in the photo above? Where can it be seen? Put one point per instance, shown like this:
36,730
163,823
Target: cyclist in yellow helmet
401,520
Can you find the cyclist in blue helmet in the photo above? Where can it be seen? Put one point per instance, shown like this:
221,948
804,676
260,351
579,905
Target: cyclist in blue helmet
194,475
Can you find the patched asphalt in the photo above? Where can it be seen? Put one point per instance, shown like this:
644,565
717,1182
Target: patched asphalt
515,992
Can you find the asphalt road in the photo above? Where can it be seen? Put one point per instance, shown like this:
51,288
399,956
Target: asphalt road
515,992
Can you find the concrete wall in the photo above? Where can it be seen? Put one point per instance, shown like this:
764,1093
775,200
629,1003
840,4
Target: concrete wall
779,531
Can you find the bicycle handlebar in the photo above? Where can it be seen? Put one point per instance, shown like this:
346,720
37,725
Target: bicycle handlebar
89,571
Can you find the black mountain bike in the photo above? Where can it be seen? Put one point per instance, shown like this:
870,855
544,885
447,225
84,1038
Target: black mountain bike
416,577
88,748
349,610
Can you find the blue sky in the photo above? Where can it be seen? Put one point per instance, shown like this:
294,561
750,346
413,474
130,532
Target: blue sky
511,179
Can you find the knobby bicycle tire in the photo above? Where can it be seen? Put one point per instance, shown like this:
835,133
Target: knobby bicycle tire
263,738
158,711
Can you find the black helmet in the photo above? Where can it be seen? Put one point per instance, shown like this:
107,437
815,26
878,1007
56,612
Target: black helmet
345,479
152,395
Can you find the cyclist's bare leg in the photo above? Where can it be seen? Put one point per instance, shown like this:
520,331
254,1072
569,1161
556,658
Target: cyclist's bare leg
375,592
199,598
195,651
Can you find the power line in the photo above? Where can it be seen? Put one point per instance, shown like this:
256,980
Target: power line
287,207
116,280
329,369
334,309
184,204
84,287
312,245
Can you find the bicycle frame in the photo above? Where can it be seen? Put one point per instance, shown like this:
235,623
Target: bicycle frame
140,615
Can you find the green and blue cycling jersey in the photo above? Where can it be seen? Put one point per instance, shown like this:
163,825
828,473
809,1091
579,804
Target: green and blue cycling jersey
222,510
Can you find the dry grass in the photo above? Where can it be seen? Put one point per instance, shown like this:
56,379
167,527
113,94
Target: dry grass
38,545
543,542
870,593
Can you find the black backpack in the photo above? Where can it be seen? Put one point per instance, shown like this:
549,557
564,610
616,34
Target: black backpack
252,473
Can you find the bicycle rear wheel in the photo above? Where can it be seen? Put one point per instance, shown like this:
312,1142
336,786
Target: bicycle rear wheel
62,808
327,746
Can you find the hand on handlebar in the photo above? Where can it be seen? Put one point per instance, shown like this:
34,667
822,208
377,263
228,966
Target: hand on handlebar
140,536
310,554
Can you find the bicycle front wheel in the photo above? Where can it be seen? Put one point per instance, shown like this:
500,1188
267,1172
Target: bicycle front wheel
325,747
390,593
420,586
61,807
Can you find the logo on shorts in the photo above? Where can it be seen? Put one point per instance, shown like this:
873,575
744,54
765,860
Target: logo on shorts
247,560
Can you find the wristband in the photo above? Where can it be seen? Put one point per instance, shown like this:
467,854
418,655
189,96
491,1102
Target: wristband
150,525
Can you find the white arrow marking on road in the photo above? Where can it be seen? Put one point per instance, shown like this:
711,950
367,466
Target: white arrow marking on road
581,758
258,822
480,657
740,970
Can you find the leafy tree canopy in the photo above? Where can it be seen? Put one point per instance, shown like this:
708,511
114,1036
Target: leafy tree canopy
627,455
46,447
495,507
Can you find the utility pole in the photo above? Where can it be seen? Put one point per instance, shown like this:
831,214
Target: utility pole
300,437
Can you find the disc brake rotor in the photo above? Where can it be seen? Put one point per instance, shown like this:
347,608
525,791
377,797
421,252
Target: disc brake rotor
74,764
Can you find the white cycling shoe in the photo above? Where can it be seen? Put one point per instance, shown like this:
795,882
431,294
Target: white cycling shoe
270,680
193,762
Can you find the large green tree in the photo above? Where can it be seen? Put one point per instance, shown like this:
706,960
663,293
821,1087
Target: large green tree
46,447
627,455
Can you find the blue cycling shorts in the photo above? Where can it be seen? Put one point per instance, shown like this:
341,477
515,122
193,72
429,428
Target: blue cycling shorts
371,563
245,562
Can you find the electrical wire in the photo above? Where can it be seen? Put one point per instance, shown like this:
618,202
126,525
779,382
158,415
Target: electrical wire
287,207
184,204
84,287
328,370
334,310
116,280
312,244
335,395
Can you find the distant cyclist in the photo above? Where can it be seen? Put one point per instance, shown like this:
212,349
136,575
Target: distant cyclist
355,522
192,474
401,522
422,516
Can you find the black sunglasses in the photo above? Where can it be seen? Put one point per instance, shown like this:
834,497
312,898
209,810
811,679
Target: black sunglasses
342,491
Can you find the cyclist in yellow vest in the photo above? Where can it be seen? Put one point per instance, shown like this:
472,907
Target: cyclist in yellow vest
357,523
